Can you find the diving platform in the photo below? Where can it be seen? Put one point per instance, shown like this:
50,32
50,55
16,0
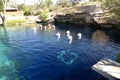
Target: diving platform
108,68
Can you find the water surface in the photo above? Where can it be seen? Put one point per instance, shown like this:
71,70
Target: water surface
31,53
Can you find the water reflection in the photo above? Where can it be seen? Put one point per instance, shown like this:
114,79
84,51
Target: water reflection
7,66
100,37
38,55
3,35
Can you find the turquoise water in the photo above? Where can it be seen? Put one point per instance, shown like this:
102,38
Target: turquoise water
32,53
7,66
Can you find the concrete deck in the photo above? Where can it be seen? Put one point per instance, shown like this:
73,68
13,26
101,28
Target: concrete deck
108,68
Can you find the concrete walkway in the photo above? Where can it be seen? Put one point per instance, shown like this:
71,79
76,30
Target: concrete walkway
108,68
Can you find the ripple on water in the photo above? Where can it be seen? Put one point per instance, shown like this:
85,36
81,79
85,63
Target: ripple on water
34,56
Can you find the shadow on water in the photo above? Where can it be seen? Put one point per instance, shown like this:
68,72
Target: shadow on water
7,66
100,37
3,35
114,34
96,35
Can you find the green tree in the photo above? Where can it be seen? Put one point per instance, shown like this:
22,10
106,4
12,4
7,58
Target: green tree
26,8
63,3
48,3
22,7
113,6
41,4
1,5
44,15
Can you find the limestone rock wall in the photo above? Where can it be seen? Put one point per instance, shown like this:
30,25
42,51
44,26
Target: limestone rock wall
76,18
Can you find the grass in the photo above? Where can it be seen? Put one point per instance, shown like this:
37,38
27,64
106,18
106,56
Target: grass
14,22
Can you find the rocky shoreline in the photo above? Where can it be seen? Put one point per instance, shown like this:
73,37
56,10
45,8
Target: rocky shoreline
86,19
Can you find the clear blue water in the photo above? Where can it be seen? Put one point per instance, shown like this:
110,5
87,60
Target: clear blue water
26,54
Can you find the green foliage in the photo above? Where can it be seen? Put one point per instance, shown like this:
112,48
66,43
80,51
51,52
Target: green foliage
44,15
37,13
21,7
41,4
63,3
27,9
113,6
44,4
54,8
27,12
1,5
36,9
48,3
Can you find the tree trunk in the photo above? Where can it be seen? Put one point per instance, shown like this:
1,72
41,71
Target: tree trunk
3,21
4,14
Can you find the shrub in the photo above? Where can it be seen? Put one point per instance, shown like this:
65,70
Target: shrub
14,22
43,16
27,13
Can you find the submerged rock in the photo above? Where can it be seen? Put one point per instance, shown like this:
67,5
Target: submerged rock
118,58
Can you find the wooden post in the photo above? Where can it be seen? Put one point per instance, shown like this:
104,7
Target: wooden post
4,14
